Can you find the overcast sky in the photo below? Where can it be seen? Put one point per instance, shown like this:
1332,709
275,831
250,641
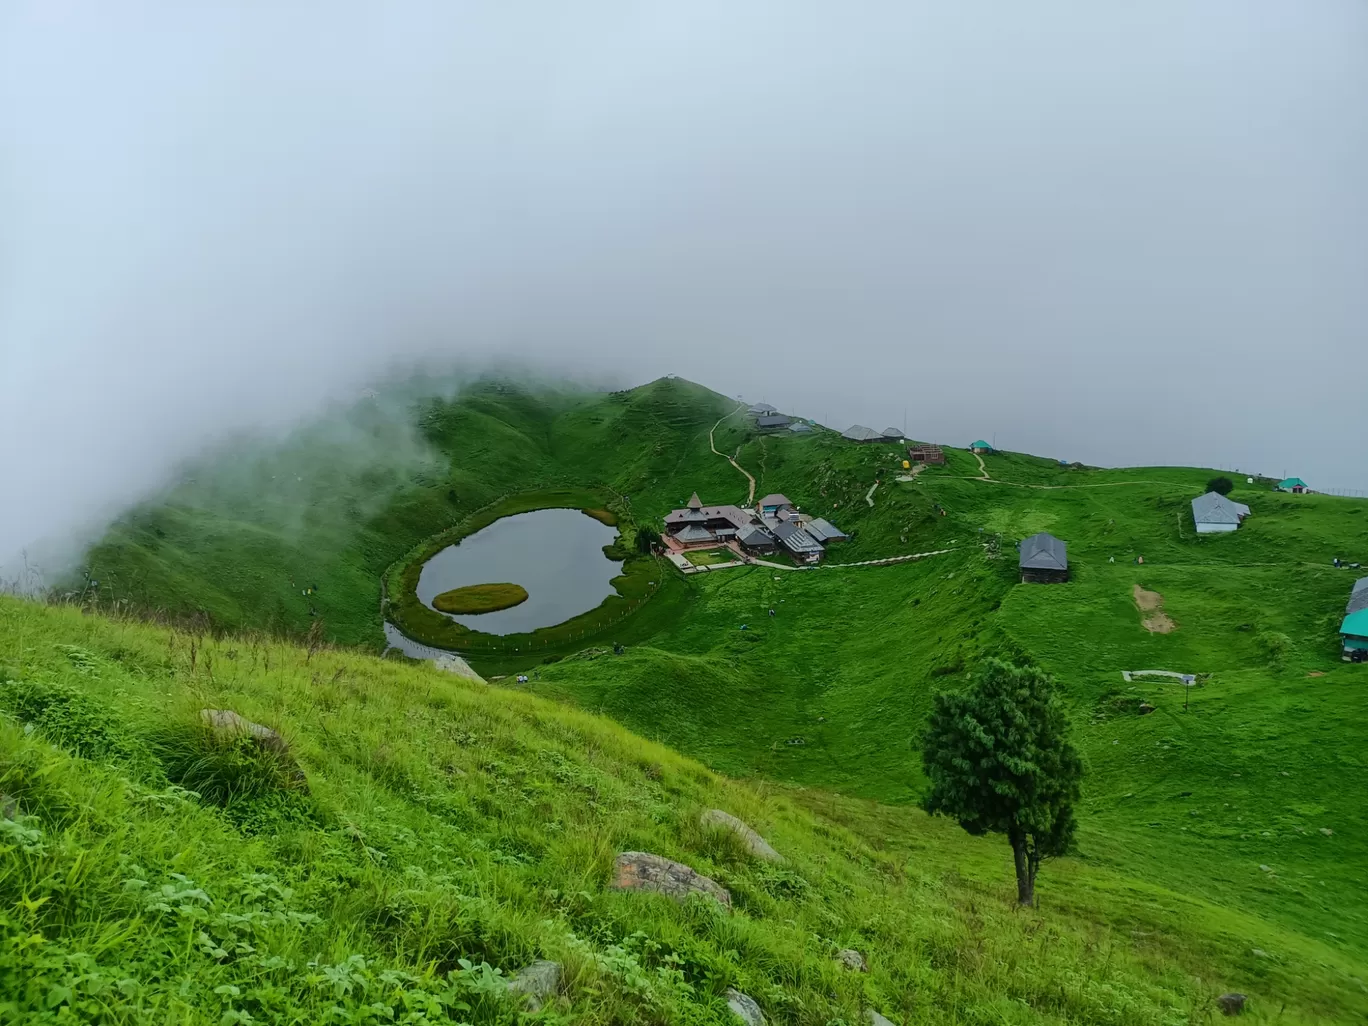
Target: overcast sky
1116,232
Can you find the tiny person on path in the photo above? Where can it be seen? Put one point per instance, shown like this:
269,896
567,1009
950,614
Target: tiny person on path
771,610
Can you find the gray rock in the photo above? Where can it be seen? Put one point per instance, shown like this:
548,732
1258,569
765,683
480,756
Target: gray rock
757,845
225,722
875,1019
641,871
1231,1004
9,807
745,1008
536,984
852,960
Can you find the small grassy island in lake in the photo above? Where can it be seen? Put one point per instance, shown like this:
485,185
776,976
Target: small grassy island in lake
480,598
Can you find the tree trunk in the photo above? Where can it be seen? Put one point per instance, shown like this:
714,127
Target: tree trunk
1025,878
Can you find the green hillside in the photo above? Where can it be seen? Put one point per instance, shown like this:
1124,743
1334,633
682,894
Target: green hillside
451,832
1240,796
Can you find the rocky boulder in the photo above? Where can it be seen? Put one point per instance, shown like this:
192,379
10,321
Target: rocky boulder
745,1008
852,960
536,984
1231,1004
756,844
226,723
875,1019
641,871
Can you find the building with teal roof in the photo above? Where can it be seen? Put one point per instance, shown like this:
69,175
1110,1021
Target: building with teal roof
980,446
1354,629
1293,484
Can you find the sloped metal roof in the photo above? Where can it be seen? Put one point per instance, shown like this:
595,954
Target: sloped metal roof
773,420
1215,508
825,531
1358,598
774,499
860,433
1044,552
762,408
796,539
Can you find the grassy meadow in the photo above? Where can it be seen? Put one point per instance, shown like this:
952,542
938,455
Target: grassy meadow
1223,835
451,832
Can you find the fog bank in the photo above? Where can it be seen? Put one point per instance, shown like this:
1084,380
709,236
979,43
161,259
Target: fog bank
1113,234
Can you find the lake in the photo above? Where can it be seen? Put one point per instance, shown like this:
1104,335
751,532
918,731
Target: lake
556,554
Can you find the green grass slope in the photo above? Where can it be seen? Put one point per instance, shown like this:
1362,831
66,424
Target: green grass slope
1248,796
452,832
247,531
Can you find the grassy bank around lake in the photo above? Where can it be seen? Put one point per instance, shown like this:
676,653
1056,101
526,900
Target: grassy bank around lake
643,580
452,832
480,598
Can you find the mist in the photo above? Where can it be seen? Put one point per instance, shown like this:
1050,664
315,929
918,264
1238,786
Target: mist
1121,234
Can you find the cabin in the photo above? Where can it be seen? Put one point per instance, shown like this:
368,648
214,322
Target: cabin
1044,560
980,447
761,410
773,503
825,531
1214,513
860,433
756,539
926,454
772,421
803,546
891,434
700,526
1354,629
1295,485
799,428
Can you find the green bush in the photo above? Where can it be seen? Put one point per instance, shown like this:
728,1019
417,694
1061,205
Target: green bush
223,768
68,718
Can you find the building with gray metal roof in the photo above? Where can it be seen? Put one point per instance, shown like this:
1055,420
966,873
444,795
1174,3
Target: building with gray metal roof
1044,559
1214,513
860,433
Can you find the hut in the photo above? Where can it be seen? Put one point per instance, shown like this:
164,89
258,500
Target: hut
825,531
800,428
761,410
926,454
980,447
804,547
773,503
754,538
1214,513
1354,629
772,421
1044,560
892,434
1295,485
860,433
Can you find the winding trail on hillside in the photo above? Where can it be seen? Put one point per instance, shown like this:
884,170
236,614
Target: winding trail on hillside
750,494
983,471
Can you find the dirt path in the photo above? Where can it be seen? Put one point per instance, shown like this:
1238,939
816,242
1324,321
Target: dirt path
869,495
983,471
750,494
1151,604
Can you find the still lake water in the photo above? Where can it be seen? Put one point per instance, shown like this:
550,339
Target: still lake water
556,554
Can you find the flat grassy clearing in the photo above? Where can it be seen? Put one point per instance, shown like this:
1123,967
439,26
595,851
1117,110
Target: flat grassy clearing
710,557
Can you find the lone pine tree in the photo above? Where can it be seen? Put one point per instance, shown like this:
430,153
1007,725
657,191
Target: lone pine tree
999,760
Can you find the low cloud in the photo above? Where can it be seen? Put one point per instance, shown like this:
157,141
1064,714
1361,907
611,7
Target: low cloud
1121,236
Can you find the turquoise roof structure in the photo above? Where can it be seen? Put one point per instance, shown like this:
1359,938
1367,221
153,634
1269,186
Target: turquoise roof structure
1356,624
1291,482
980,444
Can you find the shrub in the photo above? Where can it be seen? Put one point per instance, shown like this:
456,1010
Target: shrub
224,768
70,719
1221,485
